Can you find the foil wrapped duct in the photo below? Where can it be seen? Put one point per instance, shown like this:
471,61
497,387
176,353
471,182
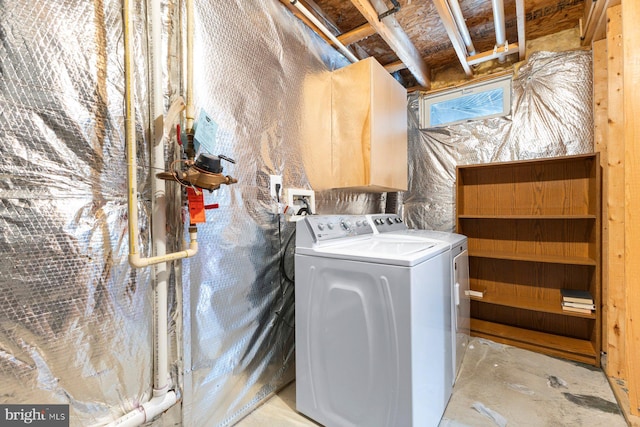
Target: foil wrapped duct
551,115
75,320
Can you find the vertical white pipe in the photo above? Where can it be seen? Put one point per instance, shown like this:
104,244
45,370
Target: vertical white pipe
190,108
130,141
130,130
498,22
159,206
456,11
161,400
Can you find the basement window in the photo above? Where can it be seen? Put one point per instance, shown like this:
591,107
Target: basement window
474,102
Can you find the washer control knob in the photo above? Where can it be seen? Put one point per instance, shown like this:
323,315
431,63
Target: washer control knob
389,220
358,223
320,226
330,225
345,225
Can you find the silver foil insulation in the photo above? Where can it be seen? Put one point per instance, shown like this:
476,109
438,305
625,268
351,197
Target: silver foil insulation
551,115
76,322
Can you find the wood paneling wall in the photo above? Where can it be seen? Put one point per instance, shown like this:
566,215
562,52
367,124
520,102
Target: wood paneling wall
600,100
631,49
617,138
615,198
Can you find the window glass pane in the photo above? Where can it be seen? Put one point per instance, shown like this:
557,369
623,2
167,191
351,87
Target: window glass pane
472,106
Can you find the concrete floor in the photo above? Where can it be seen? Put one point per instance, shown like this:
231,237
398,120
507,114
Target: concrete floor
498,385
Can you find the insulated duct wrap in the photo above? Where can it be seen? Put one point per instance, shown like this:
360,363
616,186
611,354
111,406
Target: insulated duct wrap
75,320
551,115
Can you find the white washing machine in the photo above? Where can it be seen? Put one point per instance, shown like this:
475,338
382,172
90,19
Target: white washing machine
391,225
373,337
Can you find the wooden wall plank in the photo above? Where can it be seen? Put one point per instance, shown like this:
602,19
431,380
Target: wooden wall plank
631,46
600,96
589,27
615,199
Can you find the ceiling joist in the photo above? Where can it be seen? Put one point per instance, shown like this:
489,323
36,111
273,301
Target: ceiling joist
454,35
357,34
395,66
393,34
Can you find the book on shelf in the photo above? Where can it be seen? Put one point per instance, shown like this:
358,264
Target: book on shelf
578,305
576,295
576,310
474,293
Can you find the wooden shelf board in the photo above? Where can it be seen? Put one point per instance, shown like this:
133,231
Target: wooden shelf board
555,259
551,305
555,345
518,163
528,217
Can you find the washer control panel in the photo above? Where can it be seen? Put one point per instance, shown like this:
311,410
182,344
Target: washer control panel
384,223
328,227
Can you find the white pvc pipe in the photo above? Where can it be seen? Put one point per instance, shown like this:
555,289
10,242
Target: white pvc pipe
162,399
130,140
190,109
159,207
147,412
498,22
324,29
456,11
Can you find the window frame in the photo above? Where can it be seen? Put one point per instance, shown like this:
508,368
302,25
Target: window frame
427,100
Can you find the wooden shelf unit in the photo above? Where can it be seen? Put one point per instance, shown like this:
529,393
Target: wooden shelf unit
533,229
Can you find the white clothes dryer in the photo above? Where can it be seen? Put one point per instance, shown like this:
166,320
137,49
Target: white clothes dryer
373,341
391,225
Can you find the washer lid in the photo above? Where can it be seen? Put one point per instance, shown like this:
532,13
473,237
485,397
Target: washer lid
458,242
400,251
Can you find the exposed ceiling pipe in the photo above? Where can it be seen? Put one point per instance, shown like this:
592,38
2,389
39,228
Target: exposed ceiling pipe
456,11
498,52
393,34
394,9
446,16
520,17
498,22
324,30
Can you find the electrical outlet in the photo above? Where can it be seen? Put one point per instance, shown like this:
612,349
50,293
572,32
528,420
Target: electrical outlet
298,198
273,181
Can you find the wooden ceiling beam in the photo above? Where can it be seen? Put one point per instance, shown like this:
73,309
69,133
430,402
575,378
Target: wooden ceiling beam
520,20
492,54
393,34
454,35
395,66
357,34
